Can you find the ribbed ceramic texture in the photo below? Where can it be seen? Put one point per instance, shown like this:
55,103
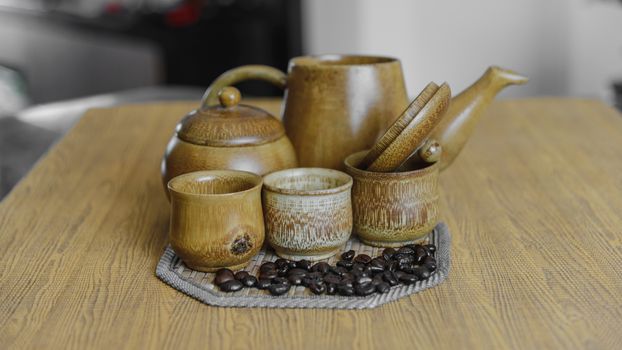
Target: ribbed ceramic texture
199,285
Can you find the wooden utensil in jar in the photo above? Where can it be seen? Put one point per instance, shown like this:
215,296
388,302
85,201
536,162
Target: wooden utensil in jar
423,120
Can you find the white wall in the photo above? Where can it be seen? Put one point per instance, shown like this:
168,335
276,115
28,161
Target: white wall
559,44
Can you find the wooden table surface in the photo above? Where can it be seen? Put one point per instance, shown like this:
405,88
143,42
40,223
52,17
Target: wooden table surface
534,204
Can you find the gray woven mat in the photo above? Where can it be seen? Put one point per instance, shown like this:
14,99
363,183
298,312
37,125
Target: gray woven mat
199,285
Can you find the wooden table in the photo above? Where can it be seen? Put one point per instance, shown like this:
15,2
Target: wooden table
534,204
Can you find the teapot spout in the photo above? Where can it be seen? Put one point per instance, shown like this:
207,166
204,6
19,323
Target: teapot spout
465,109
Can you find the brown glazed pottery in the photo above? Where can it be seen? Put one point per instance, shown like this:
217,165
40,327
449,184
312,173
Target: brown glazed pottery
458,123
415,133
216,218
334,104
392,209
228,136
308,212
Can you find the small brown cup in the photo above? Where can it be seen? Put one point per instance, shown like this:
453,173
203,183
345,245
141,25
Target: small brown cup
308,212
216,218
393,209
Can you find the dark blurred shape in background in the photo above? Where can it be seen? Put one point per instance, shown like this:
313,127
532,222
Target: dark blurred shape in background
99,53
71,48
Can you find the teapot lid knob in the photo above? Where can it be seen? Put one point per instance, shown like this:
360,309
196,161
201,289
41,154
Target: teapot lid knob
229,96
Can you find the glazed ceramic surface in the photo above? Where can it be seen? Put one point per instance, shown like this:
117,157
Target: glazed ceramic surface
229,136
308,212
464,112
216,218
334,105
392,209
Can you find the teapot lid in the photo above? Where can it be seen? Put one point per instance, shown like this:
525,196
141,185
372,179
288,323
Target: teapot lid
229,124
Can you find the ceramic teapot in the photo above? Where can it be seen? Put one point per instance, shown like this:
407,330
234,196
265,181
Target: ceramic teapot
228,136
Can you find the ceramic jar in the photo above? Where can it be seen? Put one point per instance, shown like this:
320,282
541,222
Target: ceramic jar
216,218
393,209
228,136
308,212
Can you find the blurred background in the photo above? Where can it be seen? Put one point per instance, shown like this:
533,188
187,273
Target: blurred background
60,57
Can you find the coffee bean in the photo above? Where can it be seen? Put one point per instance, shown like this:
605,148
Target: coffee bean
315,275
399,274
280,263
240,275
431,266
347,256
231,286
362,280
297,271
422,272
347,276
263,283
392,266
428,260
420,253
390,278
408,278
345,263
403,258
304,264
282,271
407,268
383,287
377,279
377,263
331,289
267,266
280,280
362,259
295,279
292,264
268,274
278,289
358,267
317,288
222,276
306,281
346,282
431,248
364,289
249,281
388,253
345,290
405,250
338,270
412,246
322,267
331,278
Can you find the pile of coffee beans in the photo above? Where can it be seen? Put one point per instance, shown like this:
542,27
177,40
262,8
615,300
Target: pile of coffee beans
354,274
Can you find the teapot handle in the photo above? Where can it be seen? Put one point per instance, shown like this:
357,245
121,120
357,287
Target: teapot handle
236,75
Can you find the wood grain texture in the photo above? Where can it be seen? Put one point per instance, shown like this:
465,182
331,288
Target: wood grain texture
308,212
533,203
415,133
216,218
400,123
393,209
